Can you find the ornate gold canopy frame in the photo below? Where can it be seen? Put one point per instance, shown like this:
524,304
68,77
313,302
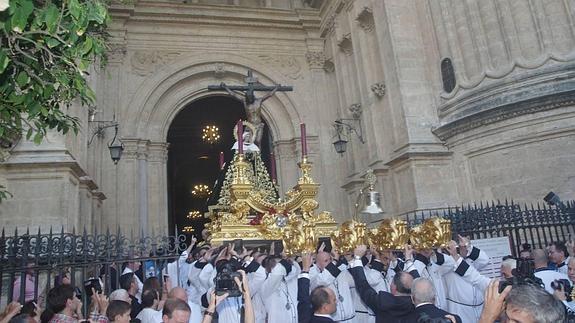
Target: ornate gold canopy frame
292,219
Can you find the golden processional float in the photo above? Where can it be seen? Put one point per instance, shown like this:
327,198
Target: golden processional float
249,212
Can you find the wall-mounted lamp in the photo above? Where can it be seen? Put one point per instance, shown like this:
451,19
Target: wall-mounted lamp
344,126
115,146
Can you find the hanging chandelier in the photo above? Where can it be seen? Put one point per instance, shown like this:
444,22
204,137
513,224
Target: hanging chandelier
211,134
201,191
188,229
194,215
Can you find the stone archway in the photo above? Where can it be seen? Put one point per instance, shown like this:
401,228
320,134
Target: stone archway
154,106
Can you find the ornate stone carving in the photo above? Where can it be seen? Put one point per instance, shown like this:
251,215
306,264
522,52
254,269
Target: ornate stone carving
330,24
365,19
315,59
329,66
287,65
378,89
144,62
355,110
219,70
345,44
116,52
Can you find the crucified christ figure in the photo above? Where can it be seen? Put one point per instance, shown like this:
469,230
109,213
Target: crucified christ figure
252,104
253,107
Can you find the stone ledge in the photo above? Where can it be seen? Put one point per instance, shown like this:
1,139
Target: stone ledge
536,93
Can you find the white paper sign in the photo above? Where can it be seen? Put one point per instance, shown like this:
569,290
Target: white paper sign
496,249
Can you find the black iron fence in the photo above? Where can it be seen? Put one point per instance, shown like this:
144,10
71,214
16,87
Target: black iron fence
42,260
31,264
537,225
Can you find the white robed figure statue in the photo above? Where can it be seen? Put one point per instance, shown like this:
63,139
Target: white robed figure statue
257,173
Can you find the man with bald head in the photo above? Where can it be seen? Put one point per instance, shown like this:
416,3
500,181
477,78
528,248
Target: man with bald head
388,307
178,293
326,273
543,272
423,297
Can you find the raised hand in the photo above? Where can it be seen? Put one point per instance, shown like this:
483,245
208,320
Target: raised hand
360,250
321,247
334,253
452,249
408,251
306,261
494,302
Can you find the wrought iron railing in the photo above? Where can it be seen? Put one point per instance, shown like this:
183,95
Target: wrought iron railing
537,225
41,257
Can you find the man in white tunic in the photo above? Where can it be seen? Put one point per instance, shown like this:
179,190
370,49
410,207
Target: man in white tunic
326,273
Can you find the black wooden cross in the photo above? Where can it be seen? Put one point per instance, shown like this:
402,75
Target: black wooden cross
252,86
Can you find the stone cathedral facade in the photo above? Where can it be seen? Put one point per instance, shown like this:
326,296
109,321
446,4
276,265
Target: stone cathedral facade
458,101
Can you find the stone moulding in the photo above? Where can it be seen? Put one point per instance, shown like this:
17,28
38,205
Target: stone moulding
497,104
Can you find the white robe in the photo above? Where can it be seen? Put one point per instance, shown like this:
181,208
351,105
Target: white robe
434,273
364,314
340,286
279,294
256,280
464,298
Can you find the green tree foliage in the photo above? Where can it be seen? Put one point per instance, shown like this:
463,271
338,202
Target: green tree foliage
47,47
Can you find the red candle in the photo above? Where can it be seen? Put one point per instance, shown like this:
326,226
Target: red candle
273,167
240,137
303,140
221,160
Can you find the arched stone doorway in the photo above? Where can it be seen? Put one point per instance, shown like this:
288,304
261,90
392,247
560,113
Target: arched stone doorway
153,107
192,161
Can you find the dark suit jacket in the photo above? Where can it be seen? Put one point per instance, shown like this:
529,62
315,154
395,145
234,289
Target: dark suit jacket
387,307
304,308
432,312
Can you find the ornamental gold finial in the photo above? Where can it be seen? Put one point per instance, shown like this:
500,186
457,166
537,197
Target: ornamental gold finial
305,167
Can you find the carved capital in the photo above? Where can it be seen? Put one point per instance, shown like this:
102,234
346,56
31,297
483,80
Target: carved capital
158,152
116,52
365,19
315,60
378,89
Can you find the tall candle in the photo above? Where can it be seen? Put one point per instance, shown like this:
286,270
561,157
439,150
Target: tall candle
273,167
240,137
221,159
303,140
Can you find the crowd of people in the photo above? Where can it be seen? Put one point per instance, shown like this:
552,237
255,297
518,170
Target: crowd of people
228,284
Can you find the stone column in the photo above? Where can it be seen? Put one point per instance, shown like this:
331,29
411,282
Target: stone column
157,188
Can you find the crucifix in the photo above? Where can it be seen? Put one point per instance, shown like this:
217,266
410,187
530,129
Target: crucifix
252,104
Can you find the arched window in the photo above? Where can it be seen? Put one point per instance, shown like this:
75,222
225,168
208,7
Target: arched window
447,75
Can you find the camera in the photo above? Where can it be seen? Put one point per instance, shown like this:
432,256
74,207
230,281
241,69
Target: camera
92,283
563,284
524,273
224,280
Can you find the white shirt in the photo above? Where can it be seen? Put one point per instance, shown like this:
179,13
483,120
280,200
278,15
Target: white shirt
548,276
150,315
